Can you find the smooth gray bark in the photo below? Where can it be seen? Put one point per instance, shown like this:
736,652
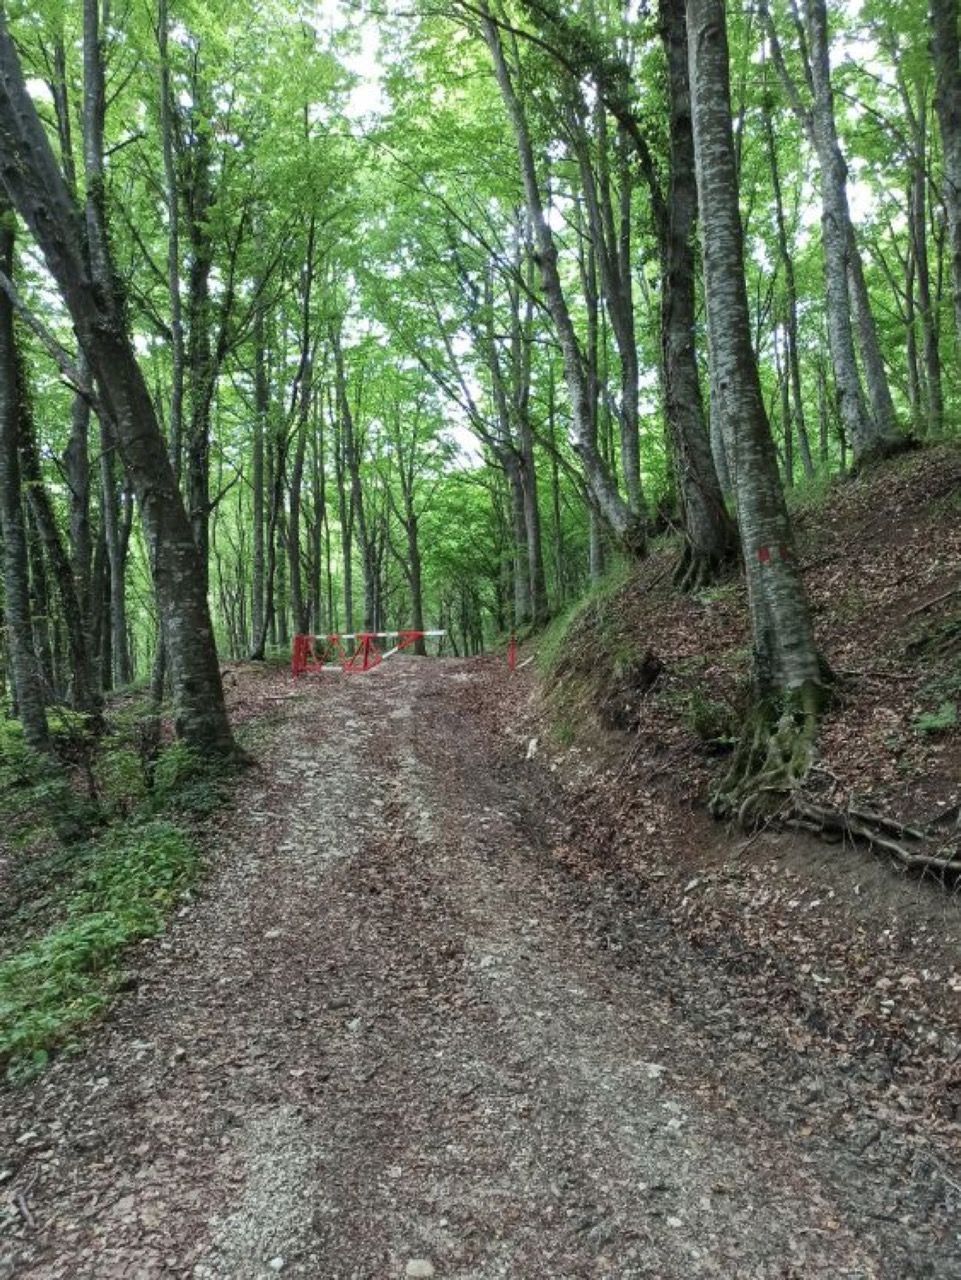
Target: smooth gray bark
872,431
946,49
629,527
785,655
711,536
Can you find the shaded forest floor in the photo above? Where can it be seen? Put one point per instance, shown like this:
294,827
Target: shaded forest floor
423,1019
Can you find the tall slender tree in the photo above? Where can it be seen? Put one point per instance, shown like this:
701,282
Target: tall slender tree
787,667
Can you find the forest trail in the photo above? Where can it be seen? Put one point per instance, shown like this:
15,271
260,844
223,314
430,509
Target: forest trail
393,1037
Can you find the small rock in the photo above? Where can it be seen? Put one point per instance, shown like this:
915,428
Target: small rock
274,933
276,1264
419,1267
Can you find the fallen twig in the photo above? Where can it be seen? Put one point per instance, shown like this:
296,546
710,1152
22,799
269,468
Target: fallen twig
930,604
22,1206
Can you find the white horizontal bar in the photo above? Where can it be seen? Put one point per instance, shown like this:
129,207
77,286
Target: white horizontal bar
378,635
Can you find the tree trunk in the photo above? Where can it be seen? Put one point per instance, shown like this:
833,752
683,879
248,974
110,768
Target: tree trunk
877,433
946,49
792,355
886,433
261,411
597,557
110,514
195,180
319,504
917,222
532,525
560,557
40,611
346,513
710,533
786,660
172,197
25,672
84,694
298,604
92,296
521,567
872,433
628,526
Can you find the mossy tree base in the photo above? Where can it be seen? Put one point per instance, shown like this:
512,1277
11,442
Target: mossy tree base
772,757
696,570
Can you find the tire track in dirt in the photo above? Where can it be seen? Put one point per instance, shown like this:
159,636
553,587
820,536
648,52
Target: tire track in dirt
394,1035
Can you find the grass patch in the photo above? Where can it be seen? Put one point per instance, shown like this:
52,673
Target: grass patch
939,721
586,609
813,494
74,906
130,880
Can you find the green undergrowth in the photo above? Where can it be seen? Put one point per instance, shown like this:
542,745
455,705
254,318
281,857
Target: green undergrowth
58,981
554,652
73,906
584,649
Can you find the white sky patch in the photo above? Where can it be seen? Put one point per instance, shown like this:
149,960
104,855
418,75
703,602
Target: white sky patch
39,90
367,98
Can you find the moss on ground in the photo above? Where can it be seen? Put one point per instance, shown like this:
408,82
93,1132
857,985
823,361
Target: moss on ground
74,906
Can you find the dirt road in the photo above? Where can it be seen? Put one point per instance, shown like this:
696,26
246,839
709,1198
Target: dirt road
393,1037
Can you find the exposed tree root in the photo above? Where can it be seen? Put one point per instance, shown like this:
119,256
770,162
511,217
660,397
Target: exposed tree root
696,570
764,788
910,846
770,762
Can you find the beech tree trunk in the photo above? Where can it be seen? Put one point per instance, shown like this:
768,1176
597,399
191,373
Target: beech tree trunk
917,118
879,434
318,494
299,605
40,612
710,533
116,560
84,693
792,355
946,49
629,527
261,411
785,656
872,432
700,473
24,669
76,465
521,569
194,157
91,293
